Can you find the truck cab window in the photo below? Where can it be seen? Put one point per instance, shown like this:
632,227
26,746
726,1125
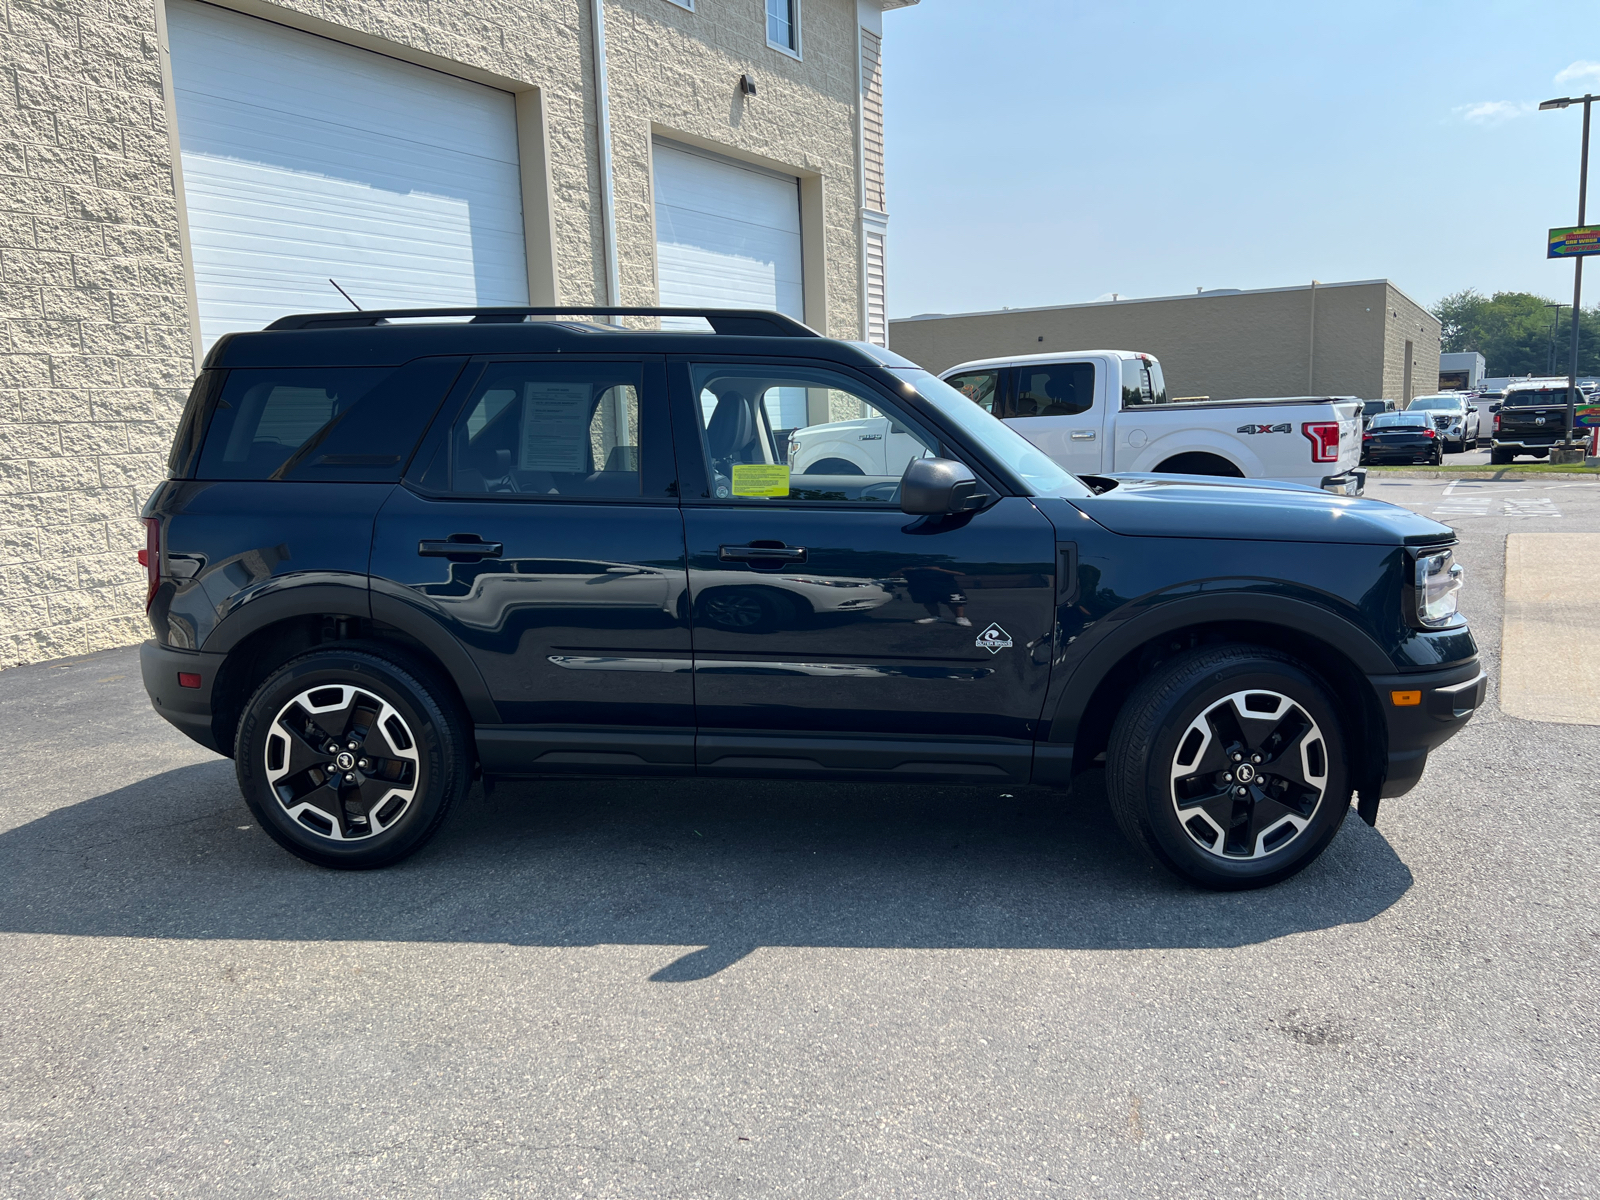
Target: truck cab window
1054,390
1142,383
981,387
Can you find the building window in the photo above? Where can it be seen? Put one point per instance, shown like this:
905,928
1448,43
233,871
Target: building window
689,4
783,25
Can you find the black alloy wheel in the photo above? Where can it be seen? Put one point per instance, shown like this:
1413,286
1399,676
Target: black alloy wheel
351,758
1227,767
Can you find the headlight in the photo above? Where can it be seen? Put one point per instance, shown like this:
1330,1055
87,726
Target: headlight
1438,587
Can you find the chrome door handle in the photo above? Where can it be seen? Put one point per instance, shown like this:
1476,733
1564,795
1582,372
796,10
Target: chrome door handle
772,553
460,545
1083,435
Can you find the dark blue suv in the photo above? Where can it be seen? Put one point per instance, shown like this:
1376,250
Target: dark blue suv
400,551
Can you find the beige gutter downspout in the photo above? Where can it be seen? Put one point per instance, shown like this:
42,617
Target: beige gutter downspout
608,212
1311,355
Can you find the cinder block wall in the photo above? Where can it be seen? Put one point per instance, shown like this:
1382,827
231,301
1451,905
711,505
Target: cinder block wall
97,353
1406,320
96,357
1256,343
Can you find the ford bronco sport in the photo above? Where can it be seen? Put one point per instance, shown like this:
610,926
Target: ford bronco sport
399,551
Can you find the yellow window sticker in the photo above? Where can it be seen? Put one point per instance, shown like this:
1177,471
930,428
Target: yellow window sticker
760,479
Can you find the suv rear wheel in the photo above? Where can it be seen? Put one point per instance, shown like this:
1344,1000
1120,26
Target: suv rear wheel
1227,766
351,758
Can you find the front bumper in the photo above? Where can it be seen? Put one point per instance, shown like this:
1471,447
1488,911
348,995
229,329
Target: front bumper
1448,700
189,709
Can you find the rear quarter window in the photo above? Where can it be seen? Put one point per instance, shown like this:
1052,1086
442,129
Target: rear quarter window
320,424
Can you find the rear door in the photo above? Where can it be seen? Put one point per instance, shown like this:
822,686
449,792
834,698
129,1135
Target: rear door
540,528
834,634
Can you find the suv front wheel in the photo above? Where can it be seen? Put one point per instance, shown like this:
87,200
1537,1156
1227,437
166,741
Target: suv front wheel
1227,766
350,758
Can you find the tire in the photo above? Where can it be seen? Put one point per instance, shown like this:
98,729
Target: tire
390,714
1501,457
1195,713
1438,456
833,466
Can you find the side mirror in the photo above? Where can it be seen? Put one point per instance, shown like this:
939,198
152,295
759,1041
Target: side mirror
936,486
1494,408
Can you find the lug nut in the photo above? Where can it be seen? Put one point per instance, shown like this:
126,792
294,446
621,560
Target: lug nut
1228,778
1243,791
357,746
1255,758
1238,758
352,779
362,763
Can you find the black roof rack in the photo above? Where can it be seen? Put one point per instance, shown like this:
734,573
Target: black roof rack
741,322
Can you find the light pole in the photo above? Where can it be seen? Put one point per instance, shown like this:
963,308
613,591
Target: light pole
1550,359
1577,267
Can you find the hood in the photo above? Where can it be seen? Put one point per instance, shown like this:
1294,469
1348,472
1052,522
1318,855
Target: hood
1203,506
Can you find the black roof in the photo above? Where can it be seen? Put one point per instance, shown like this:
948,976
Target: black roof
392,336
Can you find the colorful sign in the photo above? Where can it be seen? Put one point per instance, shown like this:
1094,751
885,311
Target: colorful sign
1574,242
1587,416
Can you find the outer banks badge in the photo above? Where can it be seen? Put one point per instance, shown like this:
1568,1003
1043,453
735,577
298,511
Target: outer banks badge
993,639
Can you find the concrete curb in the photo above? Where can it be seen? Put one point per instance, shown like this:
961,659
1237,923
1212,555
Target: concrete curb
1505,475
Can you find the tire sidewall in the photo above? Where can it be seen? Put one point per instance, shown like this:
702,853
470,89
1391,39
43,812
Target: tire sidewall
1168,837
421,713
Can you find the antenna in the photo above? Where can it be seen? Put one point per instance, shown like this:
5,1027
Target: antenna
345,294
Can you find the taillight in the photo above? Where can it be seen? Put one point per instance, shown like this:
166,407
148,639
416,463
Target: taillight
1430,433
1366,437
150,557
1497,422
1324,437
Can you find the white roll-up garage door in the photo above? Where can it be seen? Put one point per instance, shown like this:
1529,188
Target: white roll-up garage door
727,235
306,160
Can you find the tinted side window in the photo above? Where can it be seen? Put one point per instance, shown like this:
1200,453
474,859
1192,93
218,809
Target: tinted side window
838,441
322,424
1053,390
540,429
1136,386
981,387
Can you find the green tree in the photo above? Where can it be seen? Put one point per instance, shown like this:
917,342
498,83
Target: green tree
1516,333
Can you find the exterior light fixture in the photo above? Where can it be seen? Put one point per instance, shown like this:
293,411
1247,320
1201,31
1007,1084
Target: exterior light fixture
747,85
1549,104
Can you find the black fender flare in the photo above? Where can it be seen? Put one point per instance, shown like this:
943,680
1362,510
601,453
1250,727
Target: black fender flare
1301,616
354,598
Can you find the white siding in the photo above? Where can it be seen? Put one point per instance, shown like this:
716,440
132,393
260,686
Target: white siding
872,121
877,306
305,159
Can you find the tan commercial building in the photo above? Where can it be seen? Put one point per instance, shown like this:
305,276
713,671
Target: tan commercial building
1366,339
174,170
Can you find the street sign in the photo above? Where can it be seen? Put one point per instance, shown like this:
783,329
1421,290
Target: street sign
1574,242
1587,416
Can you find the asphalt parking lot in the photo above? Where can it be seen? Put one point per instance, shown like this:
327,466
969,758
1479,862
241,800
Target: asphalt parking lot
695,989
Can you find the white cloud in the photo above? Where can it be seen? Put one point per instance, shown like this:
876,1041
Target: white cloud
1579,70
1494,112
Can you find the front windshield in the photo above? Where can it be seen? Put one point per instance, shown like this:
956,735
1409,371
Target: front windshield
1039,473
1398,420
1435,402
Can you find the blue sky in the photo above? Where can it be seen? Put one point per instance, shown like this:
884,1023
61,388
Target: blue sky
1043,152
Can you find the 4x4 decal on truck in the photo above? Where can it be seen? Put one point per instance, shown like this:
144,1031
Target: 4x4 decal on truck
993,639
1281,427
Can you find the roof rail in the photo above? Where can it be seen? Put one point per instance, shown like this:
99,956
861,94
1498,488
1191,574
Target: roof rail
743,322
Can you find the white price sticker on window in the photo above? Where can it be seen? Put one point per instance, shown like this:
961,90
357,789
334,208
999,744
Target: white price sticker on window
555,428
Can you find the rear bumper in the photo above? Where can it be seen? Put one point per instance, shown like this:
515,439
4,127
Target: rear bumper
189,709
1448,700
1347,483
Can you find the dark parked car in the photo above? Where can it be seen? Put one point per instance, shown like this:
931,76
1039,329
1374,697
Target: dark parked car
1373,408
392,558
1402,437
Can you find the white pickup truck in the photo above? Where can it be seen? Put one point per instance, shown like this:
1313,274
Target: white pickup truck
1099,411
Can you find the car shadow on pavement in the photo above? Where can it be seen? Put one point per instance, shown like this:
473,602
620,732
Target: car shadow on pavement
725,865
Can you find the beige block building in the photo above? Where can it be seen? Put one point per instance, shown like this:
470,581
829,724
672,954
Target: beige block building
171,170
1366,339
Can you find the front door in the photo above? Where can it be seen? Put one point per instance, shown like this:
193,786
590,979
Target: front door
834,634
540,528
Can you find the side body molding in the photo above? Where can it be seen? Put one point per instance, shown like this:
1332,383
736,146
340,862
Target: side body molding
1083,676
